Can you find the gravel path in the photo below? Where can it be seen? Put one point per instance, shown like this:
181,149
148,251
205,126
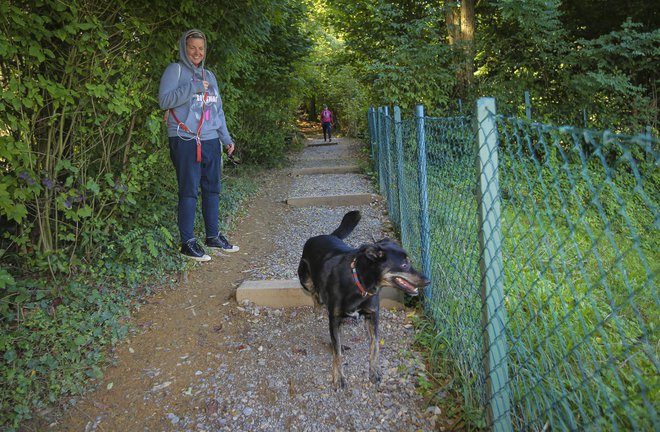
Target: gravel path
196,360
296,392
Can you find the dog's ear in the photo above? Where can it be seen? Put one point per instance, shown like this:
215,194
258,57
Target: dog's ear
374,252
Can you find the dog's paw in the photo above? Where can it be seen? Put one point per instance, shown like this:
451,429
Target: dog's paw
375,375
341,384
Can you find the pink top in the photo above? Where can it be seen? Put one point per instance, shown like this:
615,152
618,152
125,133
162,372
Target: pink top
326,116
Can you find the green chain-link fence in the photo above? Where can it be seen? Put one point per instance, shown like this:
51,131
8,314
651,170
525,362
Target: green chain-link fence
543,246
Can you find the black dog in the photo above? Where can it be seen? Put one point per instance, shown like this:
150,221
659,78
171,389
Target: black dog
348,280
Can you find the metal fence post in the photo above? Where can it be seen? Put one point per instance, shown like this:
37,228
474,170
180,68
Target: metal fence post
377,138
370,127
387,191
425,230
498,416
398,141
528,106
381,129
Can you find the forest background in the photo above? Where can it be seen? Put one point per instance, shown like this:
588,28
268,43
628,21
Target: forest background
87,192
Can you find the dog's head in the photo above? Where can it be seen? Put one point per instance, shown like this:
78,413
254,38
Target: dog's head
394,267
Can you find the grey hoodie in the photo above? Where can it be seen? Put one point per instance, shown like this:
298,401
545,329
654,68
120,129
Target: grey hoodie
181,89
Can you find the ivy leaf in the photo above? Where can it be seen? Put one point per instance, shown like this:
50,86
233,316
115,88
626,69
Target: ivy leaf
35,51
10,356
84,212
6,279
92,186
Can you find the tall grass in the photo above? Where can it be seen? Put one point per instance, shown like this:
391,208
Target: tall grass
581,254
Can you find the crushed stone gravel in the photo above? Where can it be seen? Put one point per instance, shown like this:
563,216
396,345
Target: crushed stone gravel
296,392
251,368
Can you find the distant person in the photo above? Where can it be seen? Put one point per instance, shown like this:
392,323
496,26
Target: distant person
326,123
197,131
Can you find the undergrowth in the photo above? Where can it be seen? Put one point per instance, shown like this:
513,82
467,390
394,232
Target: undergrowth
442,386
55,330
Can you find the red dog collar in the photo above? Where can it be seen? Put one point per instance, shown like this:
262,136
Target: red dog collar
356,279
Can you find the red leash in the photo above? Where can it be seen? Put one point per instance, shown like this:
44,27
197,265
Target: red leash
199,126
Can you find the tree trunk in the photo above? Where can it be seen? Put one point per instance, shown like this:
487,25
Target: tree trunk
453,22
467,41
460,34
311,114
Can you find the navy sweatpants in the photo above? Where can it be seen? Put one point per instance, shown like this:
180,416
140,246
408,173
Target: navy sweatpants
327,131
190,175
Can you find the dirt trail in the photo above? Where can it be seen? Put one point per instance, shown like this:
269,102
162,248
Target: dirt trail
177,327
189,343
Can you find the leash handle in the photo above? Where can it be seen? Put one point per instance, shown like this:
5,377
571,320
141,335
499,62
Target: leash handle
199,126
201,118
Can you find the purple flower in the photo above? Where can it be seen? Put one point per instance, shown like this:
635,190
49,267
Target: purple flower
26,177
67,203
47,182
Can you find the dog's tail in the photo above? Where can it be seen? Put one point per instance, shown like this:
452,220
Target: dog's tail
348,224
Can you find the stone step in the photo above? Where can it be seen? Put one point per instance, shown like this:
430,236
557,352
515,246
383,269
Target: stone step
337,169
285,293
333,200
322,143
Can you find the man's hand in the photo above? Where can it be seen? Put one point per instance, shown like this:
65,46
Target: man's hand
230,149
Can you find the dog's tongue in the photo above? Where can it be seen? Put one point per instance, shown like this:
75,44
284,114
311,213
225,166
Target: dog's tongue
406,285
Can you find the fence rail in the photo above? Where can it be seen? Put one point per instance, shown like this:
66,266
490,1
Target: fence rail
543,246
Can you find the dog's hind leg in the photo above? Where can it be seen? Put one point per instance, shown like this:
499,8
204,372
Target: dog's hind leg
307,283
337,369
304,276
371,323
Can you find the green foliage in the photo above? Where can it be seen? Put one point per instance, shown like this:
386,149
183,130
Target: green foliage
521,47
580,252
395,50
346,96
71,106
525,46
578,222
591,19
265,90
445,387
54,345
87,191
612,76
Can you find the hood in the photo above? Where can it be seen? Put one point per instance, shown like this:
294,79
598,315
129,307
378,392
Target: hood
184,57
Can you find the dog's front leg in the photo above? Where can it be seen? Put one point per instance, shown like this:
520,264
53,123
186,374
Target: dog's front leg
371,322
337,369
